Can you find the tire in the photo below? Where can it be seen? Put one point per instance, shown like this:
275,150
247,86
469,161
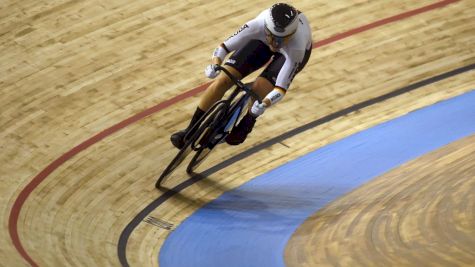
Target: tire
198,158
188,147
206,147
177,160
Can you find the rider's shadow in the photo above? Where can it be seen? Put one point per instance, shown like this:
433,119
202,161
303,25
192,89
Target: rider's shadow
268,208
176,191
271,207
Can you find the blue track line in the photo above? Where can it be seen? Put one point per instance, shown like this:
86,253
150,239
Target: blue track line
250,226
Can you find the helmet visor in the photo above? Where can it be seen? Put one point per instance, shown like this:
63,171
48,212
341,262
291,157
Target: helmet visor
276,41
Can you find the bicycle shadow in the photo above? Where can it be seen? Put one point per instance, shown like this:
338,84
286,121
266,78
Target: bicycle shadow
202,178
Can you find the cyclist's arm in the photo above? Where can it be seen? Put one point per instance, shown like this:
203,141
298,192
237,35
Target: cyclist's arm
285,77
274,96
247,32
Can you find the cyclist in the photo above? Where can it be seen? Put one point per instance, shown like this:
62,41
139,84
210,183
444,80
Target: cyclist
280,36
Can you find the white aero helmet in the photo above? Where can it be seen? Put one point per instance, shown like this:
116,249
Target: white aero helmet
282,20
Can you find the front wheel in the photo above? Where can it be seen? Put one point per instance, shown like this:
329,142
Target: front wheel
198,158
207,123
181,155
177,160
212,135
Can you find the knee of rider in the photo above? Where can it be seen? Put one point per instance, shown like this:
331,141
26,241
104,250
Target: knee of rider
262,88
223,84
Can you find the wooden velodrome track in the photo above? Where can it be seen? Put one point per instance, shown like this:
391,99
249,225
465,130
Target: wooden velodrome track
77,167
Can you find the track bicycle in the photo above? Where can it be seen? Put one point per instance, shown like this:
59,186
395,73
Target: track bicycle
212,128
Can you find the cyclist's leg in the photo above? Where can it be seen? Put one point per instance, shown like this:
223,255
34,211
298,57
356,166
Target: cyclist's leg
246,60
218,88
262,86
265,83
238,135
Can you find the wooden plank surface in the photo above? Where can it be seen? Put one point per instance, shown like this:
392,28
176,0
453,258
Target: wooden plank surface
71,69
420,214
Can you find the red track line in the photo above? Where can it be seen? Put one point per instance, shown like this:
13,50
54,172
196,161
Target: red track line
25,193
383,22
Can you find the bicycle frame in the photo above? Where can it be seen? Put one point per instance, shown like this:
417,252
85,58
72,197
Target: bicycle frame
236,111
238,105
212,127
233,108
